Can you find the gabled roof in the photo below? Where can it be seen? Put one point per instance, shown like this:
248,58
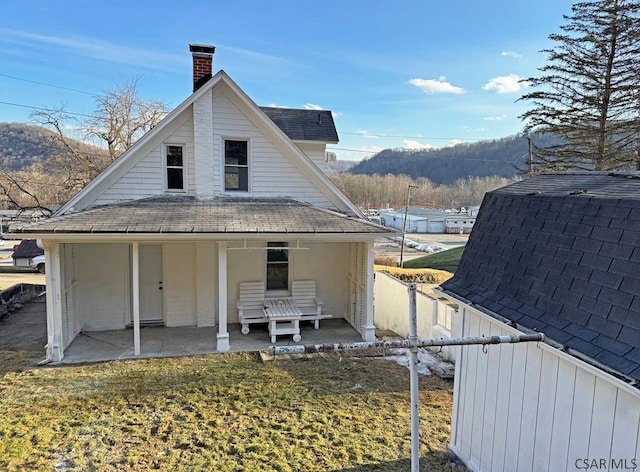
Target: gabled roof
332,192
224,215
560,254
304,125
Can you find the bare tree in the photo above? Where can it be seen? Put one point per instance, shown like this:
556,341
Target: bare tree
121,117
587,94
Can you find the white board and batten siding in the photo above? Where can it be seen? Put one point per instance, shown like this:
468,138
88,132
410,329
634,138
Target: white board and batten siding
530,407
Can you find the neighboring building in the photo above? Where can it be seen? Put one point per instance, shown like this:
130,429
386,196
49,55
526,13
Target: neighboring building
25,252
428,221
557,254
220,192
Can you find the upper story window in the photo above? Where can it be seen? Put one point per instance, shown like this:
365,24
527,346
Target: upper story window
174,160
236,165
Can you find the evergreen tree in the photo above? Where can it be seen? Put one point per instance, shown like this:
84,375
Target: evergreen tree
588,92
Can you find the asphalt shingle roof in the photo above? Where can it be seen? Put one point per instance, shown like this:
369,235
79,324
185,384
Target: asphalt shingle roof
560,254
222,216
304,125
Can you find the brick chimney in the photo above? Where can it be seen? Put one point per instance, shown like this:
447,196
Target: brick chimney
202,63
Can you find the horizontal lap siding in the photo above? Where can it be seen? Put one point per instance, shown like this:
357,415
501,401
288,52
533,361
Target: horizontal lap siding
103,293
524,407
143,180
317,152
272,174
146,177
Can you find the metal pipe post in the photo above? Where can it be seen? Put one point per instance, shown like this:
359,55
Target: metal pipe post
413,366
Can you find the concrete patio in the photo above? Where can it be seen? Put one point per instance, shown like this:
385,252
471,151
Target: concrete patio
96,346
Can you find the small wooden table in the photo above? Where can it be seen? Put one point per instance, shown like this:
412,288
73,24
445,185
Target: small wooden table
284,318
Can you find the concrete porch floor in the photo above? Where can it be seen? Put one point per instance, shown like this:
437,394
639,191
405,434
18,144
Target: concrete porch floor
96,346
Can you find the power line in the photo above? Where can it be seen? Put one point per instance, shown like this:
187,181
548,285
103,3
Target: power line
45,109
46,84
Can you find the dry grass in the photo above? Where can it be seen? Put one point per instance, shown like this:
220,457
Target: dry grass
222,412
420,276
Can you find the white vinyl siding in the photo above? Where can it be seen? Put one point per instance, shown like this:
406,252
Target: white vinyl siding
315,151
530,407
272,174
146,177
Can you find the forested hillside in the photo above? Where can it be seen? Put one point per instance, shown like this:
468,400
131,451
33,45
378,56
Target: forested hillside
506,157
22,145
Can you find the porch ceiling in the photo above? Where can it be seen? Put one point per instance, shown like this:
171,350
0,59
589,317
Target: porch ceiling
183,214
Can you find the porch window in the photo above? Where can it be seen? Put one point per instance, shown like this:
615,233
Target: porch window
174,159
278,266
236,165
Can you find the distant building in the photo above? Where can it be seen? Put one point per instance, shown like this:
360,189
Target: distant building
420,220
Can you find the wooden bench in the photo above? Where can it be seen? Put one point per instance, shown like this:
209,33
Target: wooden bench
304,296
251,304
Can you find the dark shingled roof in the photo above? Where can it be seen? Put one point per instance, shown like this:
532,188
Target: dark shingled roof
178,214
304,125
560,254
27,249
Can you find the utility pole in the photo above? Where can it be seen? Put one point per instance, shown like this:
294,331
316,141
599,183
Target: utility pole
404,224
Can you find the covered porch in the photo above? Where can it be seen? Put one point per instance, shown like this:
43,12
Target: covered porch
99,346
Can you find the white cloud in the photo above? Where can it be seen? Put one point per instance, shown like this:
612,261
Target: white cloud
505,84
312,106
415,145
94,48
511,54
436,86
495,118
455,142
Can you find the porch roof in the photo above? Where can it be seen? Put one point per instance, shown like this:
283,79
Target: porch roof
184,214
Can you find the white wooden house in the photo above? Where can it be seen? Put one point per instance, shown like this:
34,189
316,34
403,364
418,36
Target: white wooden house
222,191
558,254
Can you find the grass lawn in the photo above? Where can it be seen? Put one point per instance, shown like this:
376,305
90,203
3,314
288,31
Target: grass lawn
445,260
219,413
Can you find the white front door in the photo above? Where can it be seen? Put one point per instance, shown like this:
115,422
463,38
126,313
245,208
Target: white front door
151,283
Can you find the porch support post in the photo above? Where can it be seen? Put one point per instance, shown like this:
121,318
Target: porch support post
55,345
223,334
369,329
135,292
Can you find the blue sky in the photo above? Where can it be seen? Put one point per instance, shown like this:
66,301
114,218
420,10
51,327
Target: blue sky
395,73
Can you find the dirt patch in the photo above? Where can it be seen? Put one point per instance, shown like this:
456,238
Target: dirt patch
8,278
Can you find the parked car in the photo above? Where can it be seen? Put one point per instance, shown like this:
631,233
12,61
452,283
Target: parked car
38,263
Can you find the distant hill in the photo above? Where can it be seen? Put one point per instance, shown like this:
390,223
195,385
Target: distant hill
501,157
22,145
337,166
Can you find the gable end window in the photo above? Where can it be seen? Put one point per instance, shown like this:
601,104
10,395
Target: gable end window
236,165
278,266
174,161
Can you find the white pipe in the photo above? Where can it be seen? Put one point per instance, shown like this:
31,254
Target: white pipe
404,343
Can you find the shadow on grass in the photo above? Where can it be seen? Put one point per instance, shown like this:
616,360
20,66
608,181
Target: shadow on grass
432,462
18,361
353,374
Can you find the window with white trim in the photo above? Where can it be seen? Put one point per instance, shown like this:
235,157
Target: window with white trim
236,165
278,266
174,164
